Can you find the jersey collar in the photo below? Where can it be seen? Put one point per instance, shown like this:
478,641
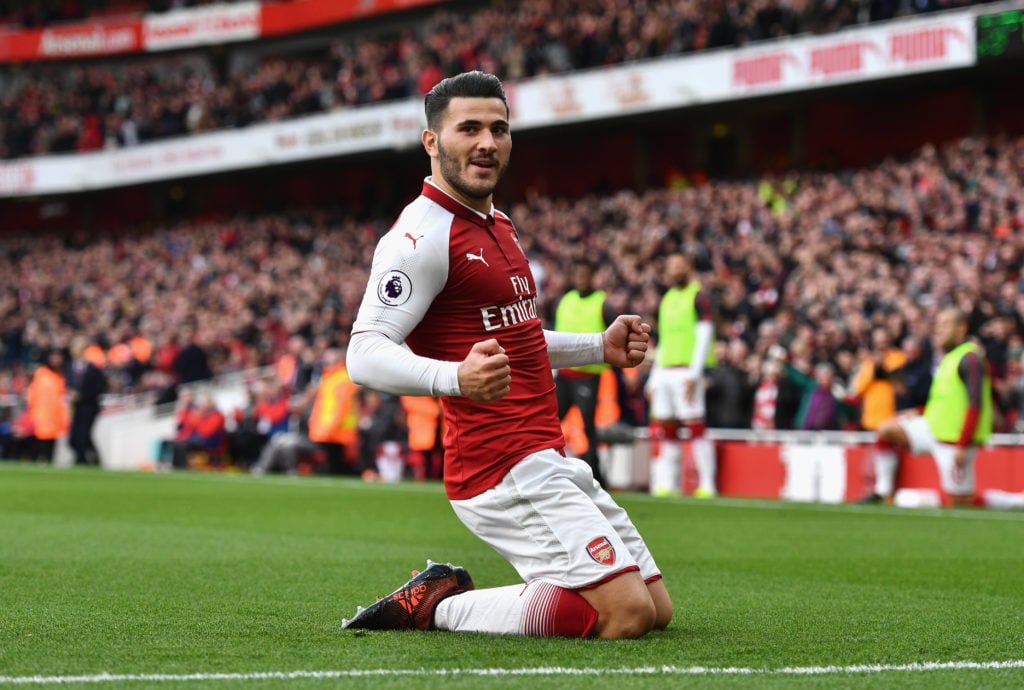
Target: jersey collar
450,203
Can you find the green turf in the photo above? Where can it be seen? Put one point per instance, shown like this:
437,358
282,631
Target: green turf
186,573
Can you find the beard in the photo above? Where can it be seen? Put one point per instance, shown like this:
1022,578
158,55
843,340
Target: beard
451,171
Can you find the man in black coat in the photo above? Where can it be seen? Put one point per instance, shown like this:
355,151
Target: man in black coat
86,383
913,380
730,396
192,362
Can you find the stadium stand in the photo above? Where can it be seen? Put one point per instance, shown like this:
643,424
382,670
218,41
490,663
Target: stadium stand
59,108
815,217
41,13
842,251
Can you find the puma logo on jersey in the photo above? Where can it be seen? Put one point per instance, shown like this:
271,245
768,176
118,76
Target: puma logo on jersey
478,257
414,239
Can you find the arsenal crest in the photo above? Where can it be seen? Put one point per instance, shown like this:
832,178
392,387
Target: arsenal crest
602,551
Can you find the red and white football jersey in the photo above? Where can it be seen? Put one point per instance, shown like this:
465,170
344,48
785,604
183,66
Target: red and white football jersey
444,278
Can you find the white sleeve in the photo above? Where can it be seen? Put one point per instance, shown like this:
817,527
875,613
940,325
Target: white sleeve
375,361
705,330
574,349
405,278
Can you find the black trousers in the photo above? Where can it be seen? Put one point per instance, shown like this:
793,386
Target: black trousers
582,392
80,438
42,449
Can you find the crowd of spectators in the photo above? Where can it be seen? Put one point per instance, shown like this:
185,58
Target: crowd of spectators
29,14
814,276
60,107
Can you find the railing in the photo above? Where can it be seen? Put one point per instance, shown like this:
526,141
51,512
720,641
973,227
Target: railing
130,428
825,466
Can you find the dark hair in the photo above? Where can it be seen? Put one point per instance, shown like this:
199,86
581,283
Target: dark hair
960,316
474,84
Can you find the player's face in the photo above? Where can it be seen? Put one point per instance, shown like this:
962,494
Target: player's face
677,267
471,151
583,278
947,330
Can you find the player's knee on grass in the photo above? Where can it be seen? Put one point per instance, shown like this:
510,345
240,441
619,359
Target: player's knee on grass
632,618
625,608
662,604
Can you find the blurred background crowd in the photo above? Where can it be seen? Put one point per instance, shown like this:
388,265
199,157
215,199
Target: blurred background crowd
843,269
62,108
27,14
825,282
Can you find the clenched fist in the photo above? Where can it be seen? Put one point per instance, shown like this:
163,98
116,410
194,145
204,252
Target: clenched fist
626,341
485,374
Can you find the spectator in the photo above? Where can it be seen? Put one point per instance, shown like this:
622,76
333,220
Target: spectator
267,414
184,420
272,409
821,411
21,445
205,436
730,393
766,396
334,416
293,371
912,380
384,435
47,408
632,400
1011,394
191,364
86,383
582,310
873,382
423,417
289,452
797,368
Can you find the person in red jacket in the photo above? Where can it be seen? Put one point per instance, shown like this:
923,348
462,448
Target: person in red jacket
272,409
200,428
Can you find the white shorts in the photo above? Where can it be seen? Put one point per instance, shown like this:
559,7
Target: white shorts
956,481
667,387
552,521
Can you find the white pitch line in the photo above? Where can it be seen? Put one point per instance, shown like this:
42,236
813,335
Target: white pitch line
539,671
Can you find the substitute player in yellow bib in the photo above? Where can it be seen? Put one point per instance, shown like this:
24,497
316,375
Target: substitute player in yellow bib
583,309
676,385
958,415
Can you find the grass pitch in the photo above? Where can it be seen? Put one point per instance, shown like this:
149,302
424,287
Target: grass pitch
194,581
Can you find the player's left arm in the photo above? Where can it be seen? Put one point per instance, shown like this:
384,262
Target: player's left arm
626,340
972,372
622,344
573,349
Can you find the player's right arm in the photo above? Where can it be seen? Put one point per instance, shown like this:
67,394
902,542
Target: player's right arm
405,277
704,335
